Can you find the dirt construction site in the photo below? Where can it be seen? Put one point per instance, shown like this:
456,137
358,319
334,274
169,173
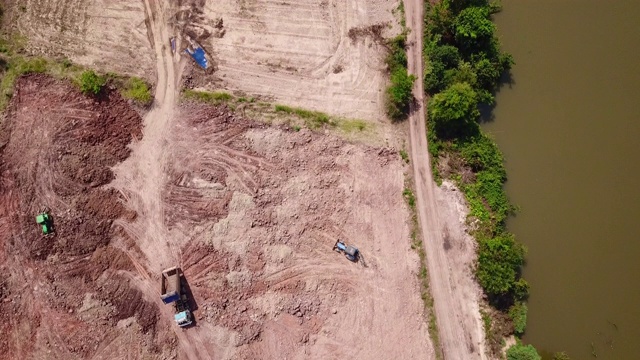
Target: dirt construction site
249,211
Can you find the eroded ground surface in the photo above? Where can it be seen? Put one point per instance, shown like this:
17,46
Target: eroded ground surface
69,295
250,212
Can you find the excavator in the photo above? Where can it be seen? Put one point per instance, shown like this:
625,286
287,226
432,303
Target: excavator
350,252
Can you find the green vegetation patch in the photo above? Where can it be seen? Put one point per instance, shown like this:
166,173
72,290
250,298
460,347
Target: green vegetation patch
518,314
309,118
314,119
522,352
215,98
398,95
138,90
14,64
91,83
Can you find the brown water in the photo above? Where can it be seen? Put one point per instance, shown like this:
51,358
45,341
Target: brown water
570,130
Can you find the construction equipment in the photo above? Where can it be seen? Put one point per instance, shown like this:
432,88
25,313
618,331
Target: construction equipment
172,291
44,220
351,252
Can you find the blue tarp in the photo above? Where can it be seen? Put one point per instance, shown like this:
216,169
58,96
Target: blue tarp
199,56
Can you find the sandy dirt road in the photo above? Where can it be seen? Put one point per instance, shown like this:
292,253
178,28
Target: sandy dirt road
456,296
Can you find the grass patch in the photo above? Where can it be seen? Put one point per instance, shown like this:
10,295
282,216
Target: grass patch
313,119
410,198
404,155
216,98
15,67
14,64
269,112
352,125
138,90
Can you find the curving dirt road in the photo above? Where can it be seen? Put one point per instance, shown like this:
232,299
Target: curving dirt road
452,287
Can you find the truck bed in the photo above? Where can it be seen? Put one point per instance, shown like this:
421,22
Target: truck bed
170,287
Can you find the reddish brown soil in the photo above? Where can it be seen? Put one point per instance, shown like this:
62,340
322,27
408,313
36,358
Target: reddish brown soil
249,211
56,150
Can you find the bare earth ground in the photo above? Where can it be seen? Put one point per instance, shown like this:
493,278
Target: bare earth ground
250,212
293,52
441,211
299,52
108,34
247,211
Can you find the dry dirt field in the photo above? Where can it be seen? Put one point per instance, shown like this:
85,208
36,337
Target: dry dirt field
250,212
299,52
293,52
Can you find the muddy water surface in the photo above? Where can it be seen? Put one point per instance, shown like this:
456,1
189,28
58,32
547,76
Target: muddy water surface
570,129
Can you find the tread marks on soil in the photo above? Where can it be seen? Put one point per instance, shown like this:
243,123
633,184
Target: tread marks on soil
82,212
213,132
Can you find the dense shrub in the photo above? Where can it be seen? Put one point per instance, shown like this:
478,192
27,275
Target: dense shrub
499,261
522,352
518,315
91,83
398,95
454,111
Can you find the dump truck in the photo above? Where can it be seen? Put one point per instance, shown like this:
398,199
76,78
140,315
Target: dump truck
173,292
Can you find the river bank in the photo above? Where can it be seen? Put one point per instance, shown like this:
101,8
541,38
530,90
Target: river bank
464,68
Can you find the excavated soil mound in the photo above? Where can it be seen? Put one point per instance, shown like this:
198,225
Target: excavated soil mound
56,150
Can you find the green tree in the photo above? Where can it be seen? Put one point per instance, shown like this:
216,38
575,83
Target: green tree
91,83
464,73
487,73
473,28
499,262
454,111
522,352
440,60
